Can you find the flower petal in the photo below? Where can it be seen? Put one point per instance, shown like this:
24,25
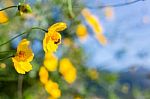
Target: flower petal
18,66
26,66
60,26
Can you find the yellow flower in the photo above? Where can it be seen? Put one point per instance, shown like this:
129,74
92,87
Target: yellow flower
67,42
43,73
3,17
102,39
81,31
53,38
23,57
96,26
2,65
67,70
50,62
53,89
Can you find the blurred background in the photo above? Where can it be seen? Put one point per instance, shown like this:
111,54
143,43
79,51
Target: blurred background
107,44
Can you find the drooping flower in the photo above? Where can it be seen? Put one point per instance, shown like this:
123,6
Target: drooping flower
3,17
43,73
23,57
50,62
81,32
53,89
53,38
93,21
67,70
24,8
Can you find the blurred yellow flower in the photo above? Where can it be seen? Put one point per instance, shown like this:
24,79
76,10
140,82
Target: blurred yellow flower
50,62
53,89
93,74
43,73
95,25
102,39
81,31
67,70
67,41
53,38
109,13
23,57
3,17
2,65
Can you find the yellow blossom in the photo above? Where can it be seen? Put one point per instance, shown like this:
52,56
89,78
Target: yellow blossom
95,25
67,41
43,73
50,62
102,39
23,57
2,65
53,89
3,17
53,38
67,70
81,31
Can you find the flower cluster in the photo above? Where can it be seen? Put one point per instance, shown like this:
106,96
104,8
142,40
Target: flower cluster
24,55
51,42
67,70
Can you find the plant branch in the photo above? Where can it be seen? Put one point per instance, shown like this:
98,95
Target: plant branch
8,8
10,51
23,34
115,5
2,59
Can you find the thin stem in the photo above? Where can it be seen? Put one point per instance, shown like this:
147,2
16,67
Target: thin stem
12,39
8,51
115,5
23,34
8,8
39,29
20,83
2,59
70,8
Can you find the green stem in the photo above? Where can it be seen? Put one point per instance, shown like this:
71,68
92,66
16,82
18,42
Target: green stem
70,8
20,83
8,51
2,59
8,8
23,34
